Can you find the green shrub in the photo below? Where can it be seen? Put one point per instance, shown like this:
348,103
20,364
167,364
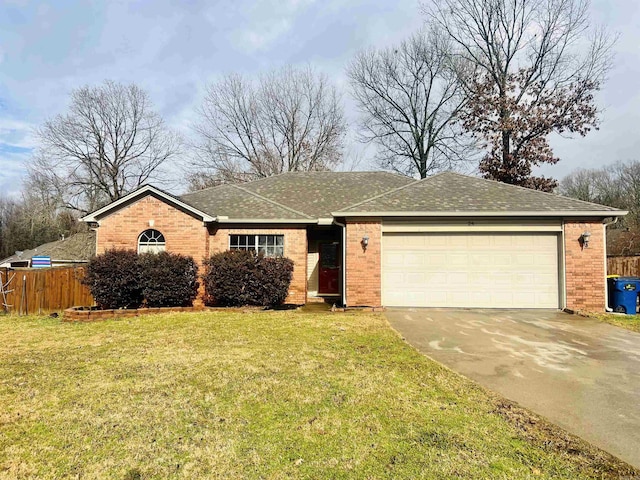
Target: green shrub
114,279
237,278
168,279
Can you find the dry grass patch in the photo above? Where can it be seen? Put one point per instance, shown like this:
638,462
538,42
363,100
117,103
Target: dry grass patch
630,322
261,395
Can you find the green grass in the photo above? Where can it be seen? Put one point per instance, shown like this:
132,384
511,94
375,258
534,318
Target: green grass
630,322
258,395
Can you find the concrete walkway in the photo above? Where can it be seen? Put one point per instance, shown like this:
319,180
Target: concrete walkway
579,373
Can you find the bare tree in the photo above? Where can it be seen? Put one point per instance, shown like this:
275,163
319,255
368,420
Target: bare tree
537,65
616,185
28,221
409,97
288,120
109,143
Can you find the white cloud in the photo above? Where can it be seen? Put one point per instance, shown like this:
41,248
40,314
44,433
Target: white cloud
17,133
172,49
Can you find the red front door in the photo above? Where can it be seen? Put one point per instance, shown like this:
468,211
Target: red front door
329,271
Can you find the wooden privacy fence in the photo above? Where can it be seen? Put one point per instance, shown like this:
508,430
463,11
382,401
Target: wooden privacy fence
624,266
35,291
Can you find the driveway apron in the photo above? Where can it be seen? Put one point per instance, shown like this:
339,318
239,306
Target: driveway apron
579,373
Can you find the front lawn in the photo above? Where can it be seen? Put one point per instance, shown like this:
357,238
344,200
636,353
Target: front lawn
258,395
630,322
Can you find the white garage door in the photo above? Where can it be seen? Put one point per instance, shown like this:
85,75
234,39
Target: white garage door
470,270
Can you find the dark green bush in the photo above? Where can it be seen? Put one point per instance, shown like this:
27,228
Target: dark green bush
169,279
115,279
237,278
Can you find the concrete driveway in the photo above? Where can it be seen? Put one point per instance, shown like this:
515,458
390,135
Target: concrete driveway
577,372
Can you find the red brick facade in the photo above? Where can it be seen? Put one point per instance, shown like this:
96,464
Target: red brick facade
295,248
584,267
188,236
183,233
364,276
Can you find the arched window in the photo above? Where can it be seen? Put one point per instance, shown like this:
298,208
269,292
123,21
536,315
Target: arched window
151,241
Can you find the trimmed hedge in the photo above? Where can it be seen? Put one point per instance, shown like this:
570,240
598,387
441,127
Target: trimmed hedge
168,279
115,279
124,279
237,278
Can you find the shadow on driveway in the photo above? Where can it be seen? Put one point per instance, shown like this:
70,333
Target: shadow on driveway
579,373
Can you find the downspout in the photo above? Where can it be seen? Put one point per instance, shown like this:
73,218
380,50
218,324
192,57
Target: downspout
607,308
344,261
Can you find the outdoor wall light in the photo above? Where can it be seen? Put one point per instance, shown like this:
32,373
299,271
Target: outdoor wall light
151,223
584,239
364,242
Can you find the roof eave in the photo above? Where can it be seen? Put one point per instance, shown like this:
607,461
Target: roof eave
93,217
298,221
558,213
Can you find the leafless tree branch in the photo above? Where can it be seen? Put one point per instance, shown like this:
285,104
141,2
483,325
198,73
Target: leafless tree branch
537,65
109,143
288,120
409,97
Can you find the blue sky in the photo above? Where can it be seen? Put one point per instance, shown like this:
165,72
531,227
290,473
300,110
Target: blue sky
174,48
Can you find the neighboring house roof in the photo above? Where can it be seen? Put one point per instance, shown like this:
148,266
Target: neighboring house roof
449,193
74,249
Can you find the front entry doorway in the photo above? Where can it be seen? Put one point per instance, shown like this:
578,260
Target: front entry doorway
329,269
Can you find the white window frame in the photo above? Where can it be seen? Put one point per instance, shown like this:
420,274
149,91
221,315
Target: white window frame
270,250
155,242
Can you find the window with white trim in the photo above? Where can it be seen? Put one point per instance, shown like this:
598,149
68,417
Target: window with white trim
151,241
269,245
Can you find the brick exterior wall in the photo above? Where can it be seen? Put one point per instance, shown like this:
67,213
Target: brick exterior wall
295,248
183,233
364,276
584,267
188,236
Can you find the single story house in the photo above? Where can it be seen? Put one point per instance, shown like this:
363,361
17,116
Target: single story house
380,239
76,249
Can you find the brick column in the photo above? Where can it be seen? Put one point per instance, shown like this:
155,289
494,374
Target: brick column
584,267
364,277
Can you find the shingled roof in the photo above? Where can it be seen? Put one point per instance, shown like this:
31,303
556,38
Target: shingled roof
77,248
296,196
234,201
312,197
451,193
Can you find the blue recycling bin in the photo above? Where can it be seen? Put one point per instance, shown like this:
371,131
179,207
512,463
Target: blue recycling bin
623,294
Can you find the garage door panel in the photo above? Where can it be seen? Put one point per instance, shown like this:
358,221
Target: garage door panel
458,259
416,278
470,270
412,258
479,241
435,259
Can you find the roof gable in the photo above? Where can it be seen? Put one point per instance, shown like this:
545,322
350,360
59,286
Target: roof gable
451,193
140,193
